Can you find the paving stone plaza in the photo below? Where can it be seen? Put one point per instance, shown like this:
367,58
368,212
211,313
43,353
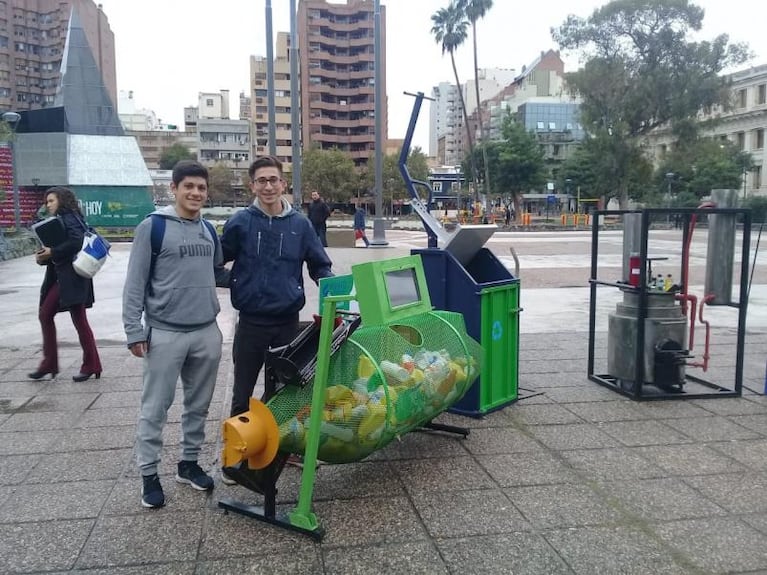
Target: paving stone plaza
572,478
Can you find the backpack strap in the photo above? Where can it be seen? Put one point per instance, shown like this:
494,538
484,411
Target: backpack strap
155,239
212,231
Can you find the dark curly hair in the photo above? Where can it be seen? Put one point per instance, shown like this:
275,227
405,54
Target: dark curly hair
66,197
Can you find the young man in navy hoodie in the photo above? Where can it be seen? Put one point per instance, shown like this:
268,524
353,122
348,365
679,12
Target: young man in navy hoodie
269,243
175,290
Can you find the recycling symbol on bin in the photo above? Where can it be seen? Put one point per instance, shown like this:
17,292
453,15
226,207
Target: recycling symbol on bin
497,330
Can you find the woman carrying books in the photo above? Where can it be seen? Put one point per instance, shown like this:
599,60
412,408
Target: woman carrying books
64,290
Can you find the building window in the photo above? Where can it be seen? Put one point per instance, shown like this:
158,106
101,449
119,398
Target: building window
740,140
759,139
758,177
540,126
209,102
552,125
761,94
742,98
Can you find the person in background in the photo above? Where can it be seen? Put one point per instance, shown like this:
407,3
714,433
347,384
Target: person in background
175,290
359,226
64,290
319,212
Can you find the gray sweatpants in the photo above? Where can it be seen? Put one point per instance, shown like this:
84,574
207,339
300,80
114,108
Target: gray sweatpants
194,356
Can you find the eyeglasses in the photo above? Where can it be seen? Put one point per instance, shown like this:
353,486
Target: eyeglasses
274,180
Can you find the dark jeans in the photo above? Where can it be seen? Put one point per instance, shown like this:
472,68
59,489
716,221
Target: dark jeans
251,341
322,230
49,309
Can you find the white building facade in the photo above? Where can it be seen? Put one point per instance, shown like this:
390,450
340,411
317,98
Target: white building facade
744,124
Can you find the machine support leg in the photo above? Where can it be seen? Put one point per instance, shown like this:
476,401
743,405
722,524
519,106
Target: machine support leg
431,426
302,516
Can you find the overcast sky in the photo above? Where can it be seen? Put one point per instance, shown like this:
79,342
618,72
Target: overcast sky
169,50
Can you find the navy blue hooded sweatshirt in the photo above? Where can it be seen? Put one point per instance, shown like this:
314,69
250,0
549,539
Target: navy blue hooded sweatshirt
268,252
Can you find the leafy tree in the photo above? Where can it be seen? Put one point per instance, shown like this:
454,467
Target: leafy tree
694,168
476,10
220,183
516,162
331,173
449,30
642,72
174,154
600,161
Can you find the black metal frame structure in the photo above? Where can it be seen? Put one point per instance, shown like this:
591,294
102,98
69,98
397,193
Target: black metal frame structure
703,389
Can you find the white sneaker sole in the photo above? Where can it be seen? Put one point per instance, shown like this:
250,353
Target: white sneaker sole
149,505
186,481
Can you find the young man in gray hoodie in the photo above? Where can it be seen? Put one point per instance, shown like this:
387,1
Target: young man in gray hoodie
175,290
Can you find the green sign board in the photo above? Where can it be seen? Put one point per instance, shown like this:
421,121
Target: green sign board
114,206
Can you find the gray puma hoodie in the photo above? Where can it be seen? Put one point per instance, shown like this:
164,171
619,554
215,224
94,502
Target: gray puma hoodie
181,294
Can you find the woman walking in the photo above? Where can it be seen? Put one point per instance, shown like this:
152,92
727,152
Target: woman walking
64,290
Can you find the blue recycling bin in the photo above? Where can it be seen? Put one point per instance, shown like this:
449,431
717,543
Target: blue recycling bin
487,295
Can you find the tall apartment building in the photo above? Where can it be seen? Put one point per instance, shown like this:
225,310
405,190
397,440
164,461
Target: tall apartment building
338,76
744,124
32,37
446,133
259,108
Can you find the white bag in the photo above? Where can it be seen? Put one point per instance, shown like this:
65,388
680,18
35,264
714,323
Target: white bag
92,255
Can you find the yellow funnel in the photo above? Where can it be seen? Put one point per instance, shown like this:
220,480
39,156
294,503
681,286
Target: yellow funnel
252,435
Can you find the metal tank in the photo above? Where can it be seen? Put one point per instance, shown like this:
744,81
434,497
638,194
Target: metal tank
665,347
720,256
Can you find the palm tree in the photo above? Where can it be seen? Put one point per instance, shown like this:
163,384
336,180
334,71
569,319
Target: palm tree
475,10
449,29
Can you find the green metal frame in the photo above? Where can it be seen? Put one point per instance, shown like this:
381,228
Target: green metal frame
302,515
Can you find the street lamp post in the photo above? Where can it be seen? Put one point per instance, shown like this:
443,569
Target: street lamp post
745,175
568,181
12,119
669,178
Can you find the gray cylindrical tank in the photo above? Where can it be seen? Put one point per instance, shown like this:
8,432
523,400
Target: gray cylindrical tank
720,256
632,234
664,322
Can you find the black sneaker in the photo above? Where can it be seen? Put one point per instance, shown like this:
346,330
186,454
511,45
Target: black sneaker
151,492
226,479
192,474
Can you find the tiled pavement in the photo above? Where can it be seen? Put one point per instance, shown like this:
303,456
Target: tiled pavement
571,479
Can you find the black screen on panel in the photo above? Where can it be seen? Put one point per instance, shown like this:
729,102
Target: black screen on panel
402,287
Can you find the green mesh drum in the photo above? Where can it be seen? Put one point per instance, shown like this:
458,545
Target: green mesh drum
384,381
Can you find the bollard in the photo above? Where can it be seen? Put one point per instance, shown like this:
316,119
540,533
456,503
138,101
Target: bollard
563,219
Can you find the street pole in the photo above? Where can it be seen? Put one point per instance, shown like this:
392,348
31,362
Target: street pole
270,81
745,174
295,117
12,119
379,234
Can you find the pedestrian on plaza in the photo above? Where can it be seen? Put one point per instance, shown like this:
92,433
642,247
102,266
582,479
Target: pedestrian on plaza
64,290
319,212
507,213
269,242
172,279
359,226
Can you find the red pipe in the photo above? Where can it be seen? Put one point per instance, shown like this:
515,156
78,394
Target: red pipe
684,298
706,355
